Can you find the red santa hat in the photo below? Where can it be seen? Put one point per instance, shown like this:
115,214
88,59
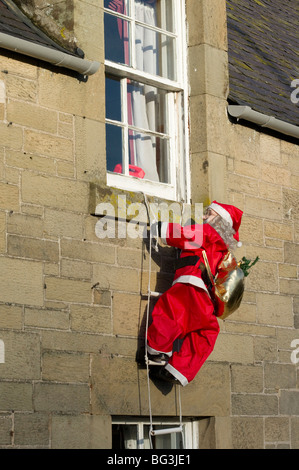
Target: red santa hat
230,214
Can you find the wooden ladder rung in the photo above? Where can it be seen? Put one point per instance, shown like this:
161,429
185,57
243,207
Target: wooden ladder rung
160,432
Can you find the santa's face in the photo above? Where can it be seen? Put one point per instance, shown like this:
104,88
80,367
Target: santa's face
209,215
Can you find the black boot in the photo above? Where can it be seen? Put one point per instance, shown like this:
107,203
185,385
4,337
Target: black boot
163,374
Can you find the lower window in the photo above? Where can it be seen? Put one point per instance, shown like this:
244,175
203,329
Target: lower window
133,433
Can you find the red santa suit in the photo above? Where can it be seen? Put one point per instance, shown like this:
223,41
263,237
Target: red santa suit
188,310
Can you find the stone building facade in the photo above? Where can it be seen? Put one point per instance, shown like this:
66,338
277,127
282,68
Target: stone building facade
72,305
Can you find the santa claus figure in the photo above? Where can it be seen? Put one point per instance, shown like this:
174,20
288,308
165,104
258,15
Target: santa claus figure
184,324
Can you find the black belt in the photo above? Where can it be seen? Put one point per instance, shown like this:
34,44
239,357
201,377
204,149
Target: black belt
186,261
192,261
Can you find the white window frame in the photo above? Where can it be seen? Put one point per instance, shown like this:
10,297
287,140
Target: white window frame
190,430
179,165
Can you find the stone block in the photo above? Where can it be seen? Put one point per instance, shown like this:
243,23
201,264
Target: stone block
264,208
61,397
9,197
247,379
25,247
30,162
57,193
11,316
90,149
254,404
63,93
31,115
18,68
2,232
251,230
211,387
129,311
75,269
116,278
15,396
48,145
289,402
31,429
289,286
217,180
11,136
279,376
264,277
25,225
275,174
62,224
207,23
294,432
277,429
93,319
20,88
283,231
265,349
6,427
65,367
233,348
21,281
94,252
81,432
208,71
247,433
270,149
22,355
274,309
47,318
67,290
291,253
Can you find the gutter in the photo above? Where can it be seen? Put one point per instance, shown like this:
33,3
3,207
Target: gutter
248,114
53,56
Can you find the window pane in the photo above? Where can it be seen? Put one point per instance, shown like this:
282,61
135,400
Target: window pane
113,103
147,107
113,147
124,436
119,6
150,154
158,12
153,52
117,33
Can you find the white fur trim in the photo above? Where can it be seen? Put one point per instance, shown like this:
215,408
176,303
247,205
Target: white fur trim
222,212
194,280
177,374
164,227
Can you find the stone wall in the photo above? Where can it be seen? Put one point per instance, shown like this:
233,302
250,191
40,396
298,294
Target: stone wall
73,306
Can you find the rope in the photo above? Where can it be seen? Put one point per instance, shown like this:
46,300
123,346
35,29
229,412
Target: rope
147,320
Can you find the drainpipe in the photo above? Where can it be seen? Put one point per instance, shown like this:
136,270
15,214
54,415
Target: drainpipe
248,114
53,56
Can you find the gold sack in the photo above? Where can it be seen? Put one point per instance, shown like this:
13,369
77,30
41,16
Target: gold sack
229,285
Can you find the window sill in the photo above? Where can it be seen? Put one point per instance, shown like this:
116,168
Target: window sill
150,188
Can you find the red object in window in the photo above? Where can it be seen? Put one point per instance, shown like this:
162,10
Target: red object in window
133,170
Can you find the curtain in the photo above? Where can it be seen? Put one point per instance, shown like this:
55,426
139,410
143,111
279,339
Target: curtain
142,99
